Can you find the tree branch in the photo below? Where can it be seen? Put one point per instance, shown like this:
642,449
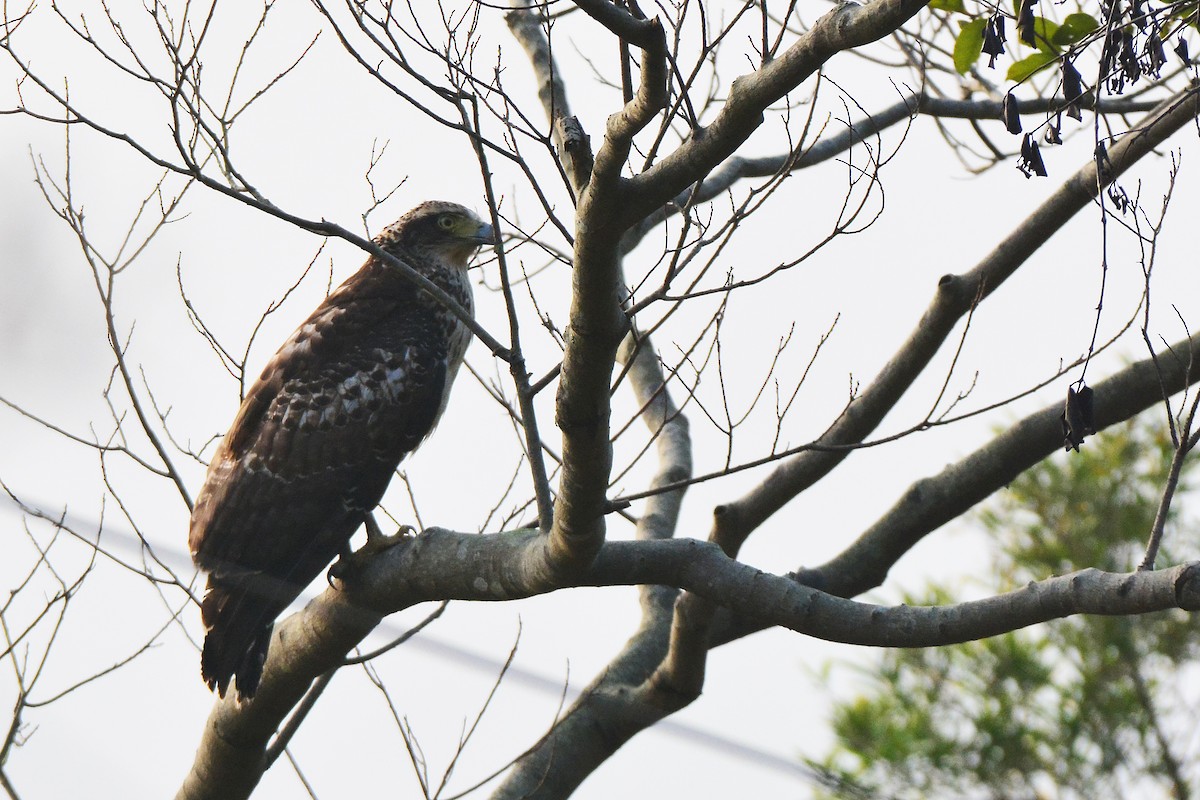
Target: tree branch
642,33
955,295
613,707
442,564
932,502
849,25
598,323
191,169
737,168
574,145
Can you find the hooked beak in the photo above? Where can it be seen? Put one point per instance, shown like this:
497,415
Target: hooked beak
486,234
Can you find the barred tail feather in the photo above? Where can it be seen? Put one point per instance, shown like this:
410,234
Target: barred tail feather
238,635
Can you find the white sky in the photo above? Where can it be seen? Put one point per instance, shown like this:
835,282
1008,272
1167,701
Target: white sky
133,734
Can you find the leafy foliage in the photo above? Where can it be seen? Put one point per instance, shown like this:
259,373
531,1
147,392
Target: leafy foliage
1115,48
968,47
1085,707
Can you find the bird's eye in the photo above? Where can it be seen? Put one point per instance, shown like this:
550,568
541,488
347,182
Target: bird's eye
446,222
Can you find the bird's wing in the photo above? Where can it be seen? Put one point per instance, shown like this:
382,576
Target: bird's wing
311,451
317,439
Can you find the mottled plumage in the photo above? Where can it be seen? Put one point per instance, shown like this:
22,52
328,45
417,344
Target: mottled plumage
356,388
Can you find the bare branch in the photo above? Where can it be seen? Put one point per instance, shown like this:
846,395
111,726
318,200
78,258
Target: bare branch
598,324
612,708
931,502
847,26
574,145
956,295
229,761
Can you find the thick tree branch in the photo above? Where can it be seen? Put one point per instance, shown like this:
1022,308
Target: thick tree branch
615,706
931,502
955,296
621,701
597,327
849,25
642,33
442,564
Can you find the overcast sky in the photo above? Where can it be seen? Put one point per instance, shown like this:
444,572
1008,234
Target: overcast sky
133,733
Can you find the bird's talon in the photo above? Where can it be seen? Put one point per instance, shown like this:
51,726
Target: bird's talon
378,541
340,568
351,561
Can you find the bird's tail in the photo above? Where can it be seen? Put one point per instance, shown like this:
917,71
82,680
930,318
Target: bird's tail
238,634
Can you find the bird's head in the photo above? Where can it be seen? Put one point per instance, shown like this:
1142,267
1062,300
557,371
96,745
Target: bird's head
442,232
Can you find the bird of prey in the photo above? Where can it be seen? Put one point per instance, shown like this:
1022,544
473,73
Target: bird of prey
355,389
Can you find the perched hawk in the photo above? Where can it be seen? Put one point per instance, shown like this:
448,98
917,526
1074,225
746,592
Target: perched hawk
354,390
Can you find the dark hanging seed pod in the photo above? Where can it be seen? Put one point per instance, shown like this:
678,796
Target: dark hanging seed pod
1025,27
993,39
1078,417
1030,162
1054,131
1181,50
1010,112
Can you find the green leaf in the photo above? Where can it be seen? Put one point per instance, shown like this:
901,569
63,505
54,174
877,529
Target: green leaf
1074,28
1044,31
948,5
968,45
1029,65
1186,13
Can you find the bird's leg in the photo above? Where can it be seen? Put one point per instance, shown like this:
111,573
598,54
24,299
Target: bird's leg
378,541
350,561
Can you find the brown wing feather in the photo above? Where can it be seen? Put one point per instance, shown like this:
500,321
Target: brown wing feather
312,450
